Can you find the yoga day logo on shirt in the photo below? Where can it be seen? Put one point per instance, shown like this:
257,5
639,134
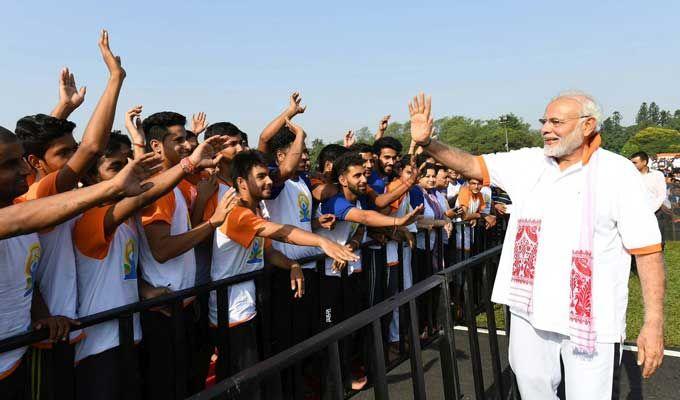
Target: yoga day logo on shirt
256,251
304,207
29,268
130,260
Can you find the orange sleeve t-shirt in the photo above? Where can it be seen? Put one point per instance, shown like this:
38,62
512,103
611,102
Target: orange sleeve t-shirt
189,192
242,225
392,186
89,234
47,186
160,210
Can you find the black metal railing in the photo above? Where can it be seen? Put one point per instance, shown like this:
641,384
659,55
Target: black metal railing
431,294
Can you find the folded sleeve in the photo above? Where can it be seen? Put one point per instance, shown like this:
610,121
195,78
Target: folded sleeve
635,221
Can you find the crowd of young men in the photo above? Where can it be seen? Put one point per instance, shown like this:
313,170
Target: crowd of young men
113,220
116,218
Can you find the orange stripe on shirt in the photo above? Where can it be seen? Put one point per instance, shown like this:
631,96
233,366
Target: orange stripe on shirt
486,179
242,225
655,248
89,235
160,210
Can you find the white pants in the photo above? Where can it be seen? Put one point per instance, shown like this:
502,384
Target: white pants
535,360
394,324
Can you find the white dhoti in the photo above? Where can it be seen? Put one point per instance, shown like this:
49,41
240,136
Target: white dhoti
535,360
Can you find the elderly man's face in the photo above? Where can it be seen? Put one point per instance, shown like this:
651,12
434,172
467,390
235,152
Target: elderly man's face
564,130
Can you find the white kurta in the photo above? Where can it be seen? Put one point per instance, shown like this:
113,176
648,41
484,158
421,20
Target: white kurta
623,223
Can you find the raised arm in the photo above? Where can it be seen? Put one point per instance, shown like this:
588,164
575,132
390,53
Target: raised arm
70,97
294,108
133,124
382,126
35,215
99,127
198,123
293,235
288,167
421,132
202,157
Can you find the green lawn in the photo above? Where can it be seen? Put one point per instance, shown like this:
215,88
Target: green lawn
635,307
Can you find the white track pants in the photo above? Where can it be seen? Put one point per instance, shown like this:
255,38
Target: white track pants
535,360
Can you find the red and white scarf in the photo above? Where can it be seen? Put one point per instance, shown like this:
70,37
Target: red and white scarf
581,328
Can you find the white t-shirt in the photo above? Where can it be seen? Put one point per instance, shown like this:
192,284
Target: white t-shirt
655,183
623,224
107,277
237,250
293,206
19,257
343,231
177,273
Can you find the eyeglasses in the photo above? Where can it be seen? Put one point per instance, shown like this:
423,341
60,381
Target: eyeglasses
556,122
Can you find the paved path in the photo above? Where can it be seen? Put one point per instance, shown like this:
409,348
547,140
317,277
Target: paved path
665,384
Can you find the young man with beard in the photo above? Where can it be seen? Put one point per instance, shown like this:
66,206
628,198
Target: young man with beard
564,268
59,163
21,250
242,244
169,264
291,203
348,172
106,245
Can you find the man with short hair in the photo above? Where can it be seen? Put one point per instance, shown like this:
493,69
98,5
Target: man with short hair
348,174
20,250
654,181
579,213
59,163
169,264
242,244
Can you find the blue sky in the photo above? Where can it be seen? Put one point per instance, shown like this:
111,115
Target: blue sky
352,61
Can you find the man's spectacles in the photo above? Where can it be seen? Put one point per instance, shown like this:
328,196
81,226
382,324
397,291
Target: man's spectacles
556,122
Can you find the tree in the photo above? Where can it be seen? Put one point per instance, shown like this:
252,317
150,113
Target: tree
642,115
614,136
653,114
664,118
653,140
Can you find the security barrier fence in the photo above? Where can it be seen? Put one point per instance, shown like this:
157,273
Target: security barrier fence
451,284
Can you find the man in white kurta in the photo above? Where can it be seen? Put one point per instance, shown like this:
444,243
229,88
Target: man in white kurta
570,198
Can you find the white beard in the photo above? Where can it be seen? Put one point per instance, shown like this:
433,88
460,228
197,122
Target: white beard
565,145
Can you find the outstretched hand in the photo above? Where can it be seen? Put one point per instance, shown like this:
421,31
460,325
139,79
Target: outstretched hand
207,154
411,217
420,110
198,123
69,95
112,61
130,180
226,204
294,108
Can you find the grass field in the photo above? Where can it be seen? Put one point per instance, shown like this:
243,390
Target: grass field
635,315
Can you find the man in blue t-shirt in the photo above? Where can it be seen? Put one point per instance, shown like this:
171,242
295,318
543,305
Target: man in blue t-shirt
340,296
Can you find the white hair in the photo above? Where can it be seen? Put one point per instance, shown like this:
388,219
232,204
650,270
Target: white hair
589,105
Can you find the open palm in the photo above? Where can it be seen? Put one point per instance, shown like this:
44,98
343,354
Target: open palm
68,91
421,118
